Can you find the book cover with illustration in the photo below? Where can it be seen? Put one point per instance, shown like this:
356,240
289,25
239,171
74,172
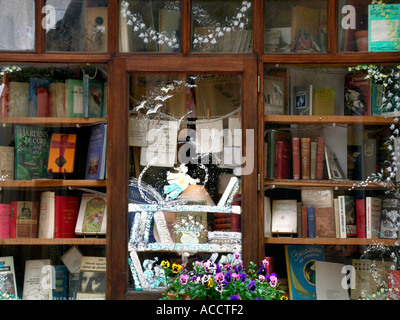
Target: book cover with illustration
62,153
32,146
92,98
96,156
357,95
92,217
300,262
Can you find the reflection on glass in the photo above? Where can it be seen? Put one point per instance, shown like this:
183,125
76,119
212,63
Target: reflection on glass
295,26
184,170
366,27
149,26
17,25
222,26
76,25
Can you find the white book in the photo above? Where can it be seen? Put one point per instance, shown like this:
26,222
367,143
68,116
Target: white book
47,215
39,280
329,281
267,217
373,216
342,217
284,216
337,222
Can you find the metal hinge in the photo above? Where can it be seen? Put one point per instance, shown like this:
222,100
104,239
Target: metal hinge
258,84
258,182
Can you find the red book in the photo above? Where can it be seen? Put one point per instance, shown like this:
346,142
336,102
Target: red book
66,215
320,158
393,284
305,152
5,220
304,220
43,102
4,97
283,156
24,219
296,157
361,218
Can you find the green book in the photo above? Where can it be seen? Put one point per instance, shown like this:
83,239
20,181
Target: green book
74,98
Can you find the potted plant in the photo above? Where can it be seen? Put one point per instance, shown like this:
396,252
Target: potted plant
227,280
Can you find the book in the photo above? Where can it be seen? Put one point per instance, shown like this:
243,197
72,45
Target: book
43,102
5,220
337,219
323,101
7,163
325,222
46,215
92,98
329,281
74,97
320,158
377,94
8,284
333,167
92,278
296,158
357,97
62,153
66,216
32,146
347,215
267,217
283,160
389,218
274,95
304,221
305,150
300,264
317,197
272,137
4,96
18,99
303,100
60,100
361,217
393,284
310,222
381,27
24,219
38,280
284,216
60,289
373,217
96,154
313,160
34,85
92,216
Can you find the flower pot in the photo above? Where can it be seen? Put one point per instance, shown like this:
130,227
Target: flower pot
362,40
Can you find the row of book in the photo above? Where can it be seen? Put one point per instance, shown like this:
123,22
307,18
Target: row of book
54,216
78,278
349,217
40,153
44,97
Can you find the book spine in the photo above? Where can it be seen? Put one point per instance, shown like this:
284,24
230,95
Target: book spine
311,222
305,158
282,159
66,215
342,216
271,154
43,102
337,222
5,220
304,220
13,220
368,218
296,157
313,160
86,96
360,218
320,158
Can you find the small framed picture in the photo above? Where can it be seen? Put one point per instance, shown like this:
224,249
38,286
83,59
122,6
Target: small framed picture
303,100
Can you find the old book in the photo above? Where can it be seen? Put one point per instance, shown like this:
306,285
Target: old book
274,95
323,101
31,152
320,158
74,97
357,95
373,217
304,221
62,153
283,160
325,222
317,197
284,216
296,157
305,149
92,217
360,206
6,163
38,280
310,222
18,99
5,220
337,219
272,137
96,153
24,219
313,160
347,215
46,215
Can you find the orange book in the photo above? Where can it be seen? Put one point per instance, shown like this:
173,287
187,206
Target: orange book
62,153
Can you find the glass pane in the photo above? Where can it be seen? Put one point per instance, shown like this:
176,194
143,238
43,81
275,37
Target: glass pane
52,179
366,27
76,25
222,26
150,26
185,146
295,26
17,29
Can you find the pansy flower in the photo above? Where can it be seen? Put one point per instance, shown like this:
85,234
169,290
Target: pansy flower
176,268
252,286
183,279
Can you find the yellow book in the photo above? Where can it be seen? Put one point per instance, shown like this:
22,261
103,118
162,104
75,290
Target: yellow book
62,153
323,102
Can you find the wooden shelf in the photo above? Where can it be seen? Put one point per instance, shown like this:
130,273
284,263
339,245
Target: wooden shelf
50,183
365,120
331,241
52,121
348,184
57,241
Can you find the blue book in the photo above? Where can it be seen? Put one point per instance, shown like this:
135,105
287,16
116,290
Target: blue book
311,222
34,84
60,292
96,156
382,35
300,262
92,98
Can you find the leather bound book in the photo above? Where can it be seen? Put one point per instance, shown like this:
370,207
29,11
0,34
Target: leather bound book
320,158
305,158
325,222
296,157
